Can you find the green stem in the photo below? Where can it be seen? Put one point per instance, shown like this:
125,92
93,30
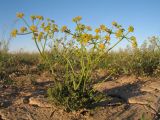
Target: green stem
41,52
37,45
115,44
44,46
67,73
82,69
45,58
26,23
24,33
38,23
69,63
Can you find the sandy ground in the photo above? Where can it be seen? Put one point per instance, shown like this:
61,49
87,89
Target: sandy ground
132,98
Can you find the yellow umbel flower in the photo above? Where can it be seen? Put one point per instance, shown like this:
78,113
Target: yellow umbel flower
14,33
130,29
33,17
107,38
20,15
114,23
79,18
55,29
134,44
23,29
80,27
86,37
134,41
64,28
133,38
76,19
39,17
103,27
102,46
33,28
119,33
47,28
97,31
40,36
43,25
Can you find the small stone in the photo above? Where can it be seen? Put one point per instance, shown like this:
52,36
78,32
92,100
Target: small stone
26,100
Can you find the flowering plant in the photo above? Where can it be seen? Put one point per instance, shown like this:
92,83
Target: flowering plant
76,91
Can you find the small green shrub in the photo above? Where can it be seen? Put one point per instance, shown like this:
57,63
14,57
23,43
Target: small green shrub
142,61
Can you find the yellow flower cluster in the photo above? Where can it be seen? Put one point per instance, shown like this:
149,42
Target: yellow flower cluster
33,28
23,29
40,36
14,33
107,38
103,27
114,23
20,15
45,30
101,46
55,28
43,25
86,37
119,33
39,17
76,19
34,17
134,41
80,27
64,28
130,29
50,27
97,30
